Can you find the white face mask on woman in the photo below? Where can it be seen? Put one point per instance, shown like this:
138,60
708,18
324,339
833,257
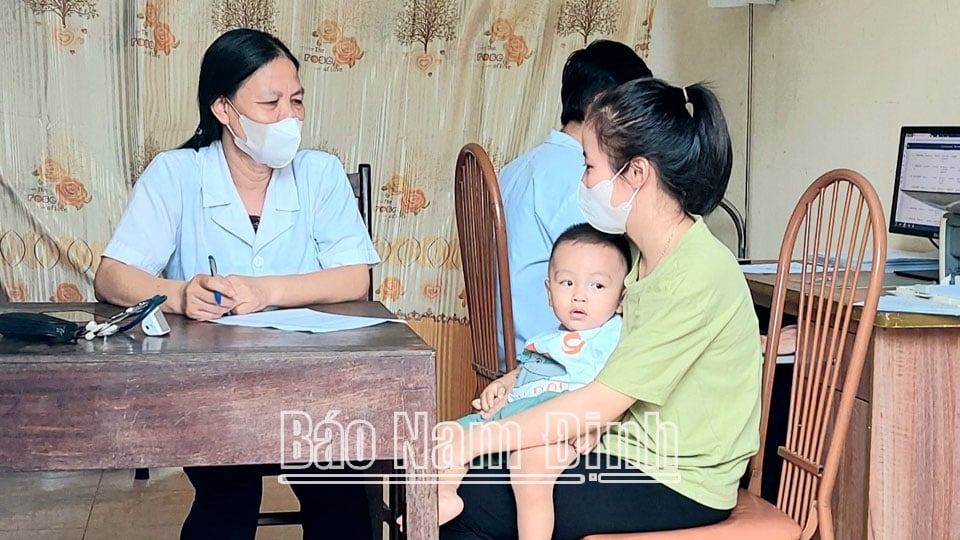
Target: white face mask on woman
600,213
273,145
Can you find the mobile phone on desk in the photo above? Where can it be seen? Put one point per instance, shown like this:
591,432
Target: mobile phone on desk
73,315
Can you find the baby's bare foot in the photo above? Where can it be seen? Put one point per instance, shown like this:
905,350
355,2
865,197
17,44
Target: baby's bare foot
450,505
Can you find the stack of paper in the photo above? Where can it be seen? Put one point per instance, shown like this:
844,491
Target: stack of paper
906,260
771,268
301,320
896,260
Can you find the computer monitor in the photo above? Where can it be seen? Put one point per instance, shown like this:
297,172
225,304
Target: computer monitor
928,167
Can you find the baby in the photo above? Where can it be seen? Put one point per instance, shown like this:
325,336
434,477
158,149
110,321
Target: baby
585,290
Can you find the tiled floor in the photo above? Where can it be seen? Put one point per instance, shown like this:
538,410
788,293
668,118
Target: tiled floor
111,505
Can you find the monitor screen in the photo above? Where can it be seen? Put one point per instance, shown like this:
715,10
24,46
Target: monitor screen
929,163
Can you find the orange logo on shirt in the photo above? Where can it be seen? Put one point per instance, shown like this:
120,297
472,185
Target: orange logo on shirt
572,343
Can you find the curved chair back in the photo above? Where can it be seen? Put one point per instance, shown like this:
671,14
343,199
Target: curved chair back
739,223
483,252
837,228
360,182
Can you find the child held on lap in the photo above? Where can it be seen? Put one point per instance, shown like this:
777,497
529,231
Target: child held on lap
585,289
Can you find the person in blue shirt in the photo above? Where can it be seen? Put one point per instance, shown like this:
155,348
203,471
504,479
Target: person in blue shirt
539,188
281,223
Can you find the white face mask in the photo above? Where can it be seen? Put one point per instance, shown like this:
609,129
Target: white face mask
273,145
595,203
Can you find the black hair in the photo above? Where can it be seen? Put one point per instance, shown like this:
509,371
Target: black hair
228,62
691,152
602,65
584,233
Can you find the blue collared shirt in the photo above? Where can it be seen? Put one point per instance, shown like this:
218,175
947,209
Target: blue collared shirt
539,192
185,207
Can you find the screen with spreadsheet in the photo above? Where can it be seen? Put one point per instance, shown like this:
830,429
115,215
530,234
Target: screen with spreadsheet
929,162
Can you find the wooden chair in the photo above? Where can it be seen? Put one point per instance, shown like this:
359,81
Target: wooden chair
839,216
360,182
739,223
483,252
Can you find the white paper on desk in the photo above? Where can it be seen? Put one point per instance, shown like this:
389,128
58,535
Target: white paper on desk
302,320
769,268
896,260
905,304
948,291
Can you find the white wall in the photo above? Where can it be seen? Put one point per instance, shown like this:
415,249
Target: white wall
692,43
833,82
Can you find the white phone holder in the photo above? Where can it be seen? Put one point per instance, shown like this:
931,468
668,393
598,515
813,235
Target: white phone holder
155,324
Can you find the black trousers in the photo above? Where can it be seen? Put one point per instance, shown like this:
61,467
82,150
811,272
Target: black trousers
592,507
227,502
779,413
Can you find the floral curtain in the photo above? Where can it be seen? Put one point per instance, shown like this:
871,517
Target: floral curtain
93,89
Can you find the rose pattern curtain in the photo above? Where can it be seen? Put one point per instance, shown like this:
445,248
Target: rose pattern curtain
93,89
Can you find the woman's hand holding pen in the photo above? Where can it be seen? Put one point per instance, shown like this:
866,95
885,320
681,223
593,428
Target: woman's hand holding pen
199,298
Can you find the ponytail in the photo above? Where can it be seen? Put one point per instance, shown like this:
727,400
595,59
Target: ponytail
714,149
689,148
203,136
208,131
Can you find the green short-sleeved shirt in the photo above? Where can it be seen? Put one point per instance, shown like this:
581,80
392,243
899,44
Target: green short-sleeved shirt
690,354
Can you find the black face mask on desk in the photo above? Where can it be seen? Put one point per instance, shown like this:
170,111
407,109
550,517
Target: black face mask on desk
38,327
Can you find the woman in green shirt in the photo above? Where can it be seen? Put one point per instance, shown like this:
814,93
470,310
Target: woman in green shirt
679,399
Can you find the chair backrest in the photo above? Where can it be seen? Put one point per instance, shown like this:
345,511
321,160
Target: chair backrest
837,225
483,252
360,182
739,223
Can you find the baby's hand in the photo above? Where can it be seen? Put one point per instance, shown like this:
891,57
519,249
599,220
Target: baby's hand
491,399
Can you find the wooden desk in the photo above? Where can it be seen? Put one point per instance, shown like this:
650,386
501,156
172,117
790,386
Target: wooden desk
210,395
900,473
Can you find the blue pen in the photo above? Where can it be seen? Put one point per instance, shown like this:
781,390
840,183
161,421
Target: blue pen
213,272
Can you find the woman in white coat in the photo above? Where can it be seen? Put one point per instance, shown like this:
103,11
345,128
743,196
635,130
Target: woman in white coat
282,225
